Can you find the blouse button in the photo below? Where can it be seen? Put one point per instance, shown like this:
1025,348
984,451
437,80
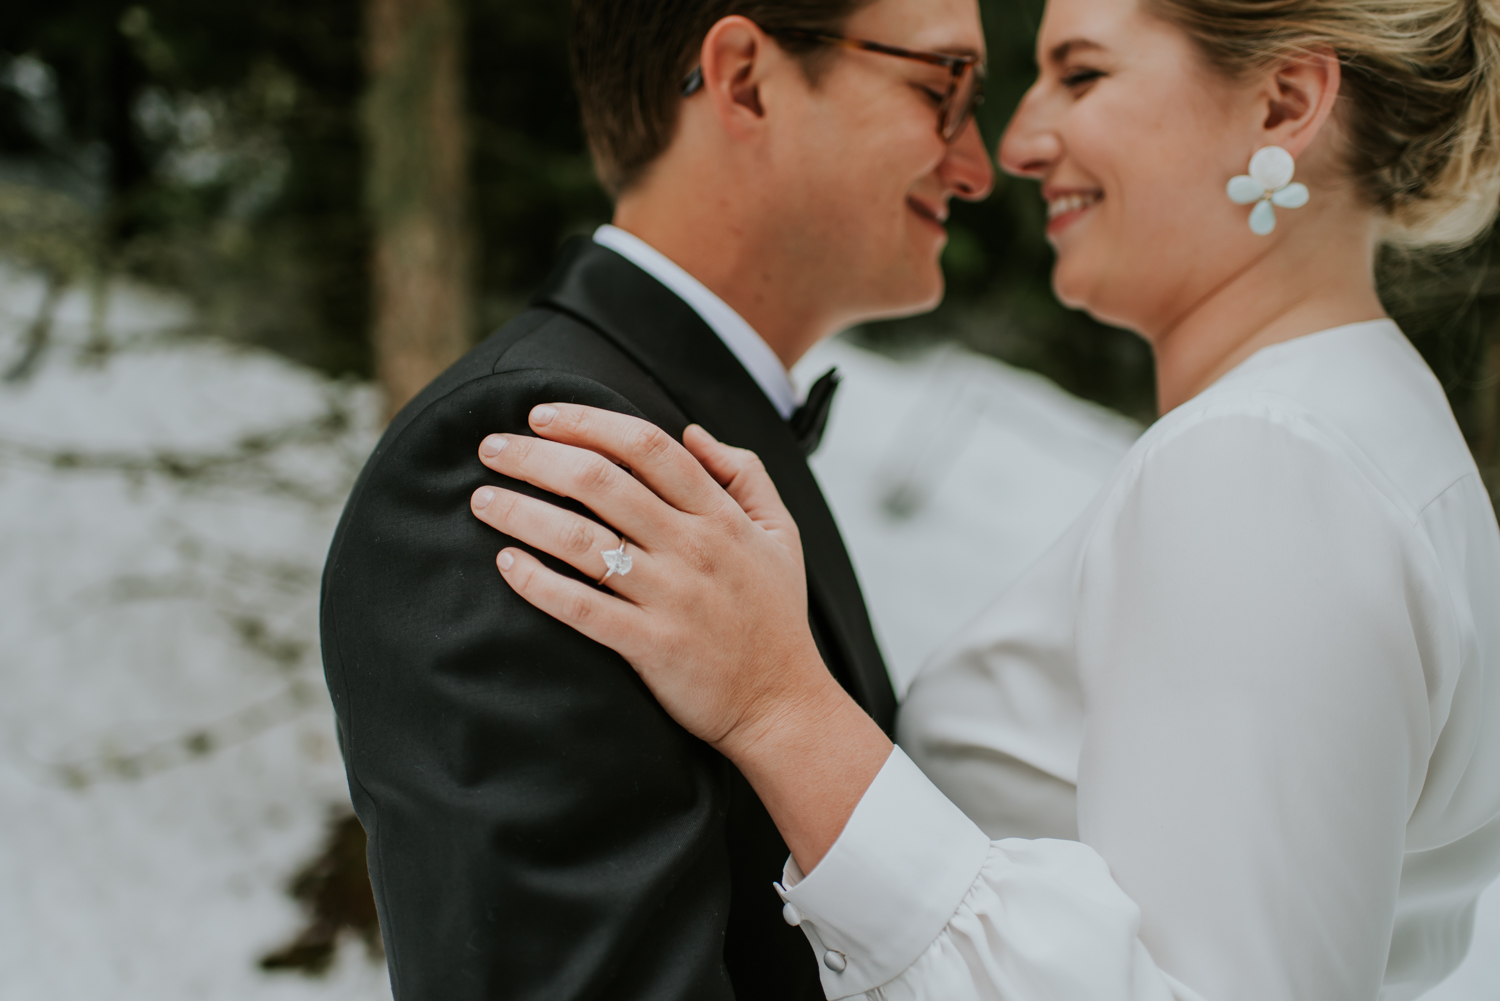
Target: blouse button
835,961
791,915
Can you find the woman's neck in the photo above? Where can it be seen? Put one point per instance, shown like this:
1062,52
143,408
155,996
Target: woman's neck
1294,289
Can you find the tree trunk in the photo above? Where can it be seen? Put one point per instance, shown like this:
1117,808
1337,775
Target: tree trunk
417,191
39,333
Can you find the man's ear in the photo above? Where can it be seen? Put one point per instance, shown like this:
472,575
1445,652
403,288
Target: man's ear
736,58
1299,96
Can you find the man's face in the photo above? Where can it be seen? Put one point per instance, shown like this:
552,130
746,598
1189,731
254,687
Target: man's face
861,176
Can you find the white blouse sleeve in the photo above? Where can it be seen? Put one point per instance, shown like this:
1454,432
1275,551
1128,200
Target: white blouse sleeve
1256,728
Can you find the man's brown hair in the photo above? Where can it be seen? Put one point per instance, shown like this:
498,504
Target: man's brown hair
630,58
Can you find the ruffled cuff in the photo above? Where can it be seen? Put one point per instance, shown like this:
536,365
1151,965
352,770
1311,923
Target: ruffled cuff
890,883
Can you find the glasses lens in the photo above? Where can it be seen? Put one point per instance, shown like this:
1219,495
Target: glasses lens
967,94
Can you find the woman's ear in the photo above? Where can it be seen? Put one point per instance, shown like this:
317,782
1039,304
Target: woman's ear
735,59
1299,96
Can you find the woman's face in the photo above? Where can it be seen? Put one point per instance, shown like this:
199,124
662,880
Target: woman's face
1133,138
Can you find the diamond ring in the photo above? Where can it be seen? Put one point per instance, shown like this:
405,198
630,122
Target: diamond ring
616,561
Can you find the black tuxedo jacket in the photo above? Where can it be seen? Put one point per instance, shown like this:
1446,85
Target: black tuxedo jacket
538,826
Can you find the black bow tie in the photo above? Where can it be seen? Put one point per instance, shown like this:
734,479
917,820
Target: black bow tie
810,419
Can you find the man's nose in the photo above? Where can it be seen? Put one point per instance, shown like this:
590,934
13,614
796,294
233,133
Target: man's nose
1029,147
966,170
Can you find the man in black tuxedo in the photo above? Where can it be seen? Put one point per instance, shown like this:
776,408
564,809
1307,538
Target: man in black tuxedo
538,826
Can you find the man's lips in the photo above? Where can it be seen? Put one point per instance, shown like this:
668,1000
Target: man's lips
937,215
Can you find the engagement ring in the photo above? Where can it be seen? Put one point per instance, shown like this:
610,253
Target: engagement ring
616,560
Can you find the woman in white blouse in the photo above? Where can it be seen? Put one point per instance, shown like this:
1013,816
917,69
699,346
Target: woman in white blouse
1237,735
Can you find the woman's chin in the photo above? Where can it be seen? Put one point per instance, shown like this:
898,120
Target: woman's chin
1096,293
1070,286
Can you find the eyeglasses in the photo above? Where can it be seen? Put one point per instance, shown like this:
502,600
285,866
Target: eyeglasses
965,74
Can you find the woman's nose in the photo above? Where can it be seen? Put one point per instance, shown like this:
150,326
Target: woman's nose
1030,145
966,170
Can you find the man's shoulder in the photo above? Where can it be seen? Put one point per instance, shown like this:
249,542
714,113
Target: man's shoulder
485,358
539,347
542,356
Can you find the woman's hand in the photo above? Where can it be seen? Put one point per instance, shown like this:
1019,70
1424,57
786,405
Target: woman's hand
713,611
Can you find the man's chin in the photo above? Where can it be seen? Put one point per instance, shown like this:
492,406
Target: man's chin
929,295
920,301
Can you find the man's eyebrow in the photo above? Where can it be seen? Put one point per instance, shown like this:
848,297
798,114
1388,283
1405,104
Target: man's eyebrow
960,50
1062,50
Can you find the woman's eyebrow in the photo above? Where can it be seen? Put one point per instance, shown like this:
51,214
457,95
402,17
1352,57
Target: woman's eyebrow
1062,50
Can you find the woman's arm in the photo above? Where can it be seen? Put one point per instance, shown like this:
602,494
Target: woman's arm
1254,698
713,613
1254,621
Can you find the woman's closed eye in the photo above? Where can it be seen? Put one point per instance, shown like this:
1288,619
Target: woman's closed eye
1080,78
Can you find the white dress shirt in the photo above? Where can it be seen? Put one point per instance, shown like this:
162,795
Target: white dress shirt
741,339
1235,737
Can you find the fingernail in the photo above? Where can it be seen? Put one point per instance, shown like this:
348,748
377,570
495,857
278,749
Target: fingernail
483,496
542,416
492,446
506,560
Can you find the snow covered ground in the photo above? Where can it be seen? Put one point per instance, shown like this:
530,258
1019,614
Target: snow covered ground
166,753
166,749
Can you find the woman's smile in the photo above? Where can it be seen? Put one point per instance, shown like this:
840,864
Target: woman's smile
1066,207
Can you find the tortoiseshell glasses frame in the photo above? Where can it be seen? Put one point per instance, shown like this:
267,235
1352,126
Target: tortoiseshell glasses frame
965,74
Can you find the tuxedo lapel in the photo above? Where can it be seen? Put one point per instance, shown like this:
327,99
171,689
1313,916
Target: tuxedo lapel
670,341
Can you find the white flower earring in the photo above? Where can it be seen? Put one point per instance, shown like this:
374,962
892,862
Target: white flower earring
1268,183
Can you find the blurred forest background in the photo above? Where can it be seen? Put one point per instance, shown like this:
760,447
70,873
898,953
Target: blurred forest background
368,188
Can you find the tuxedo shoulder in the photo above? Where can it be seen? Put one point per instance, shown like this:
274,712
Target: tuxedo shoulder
541,349
429,453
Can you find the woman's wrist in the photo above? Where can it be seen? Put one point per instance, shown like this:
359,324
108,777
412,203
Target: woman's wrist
810,752
797,693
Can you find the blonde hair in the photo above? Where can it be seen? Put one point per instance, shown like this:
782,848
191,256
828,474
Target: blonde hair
1420,95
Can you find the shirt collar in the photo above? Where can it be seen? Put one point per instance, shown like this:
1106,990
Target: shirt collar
741,339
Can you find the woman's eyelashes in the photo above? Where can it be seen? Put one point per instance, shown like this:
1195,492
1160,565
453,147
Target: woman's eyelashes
1080,78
